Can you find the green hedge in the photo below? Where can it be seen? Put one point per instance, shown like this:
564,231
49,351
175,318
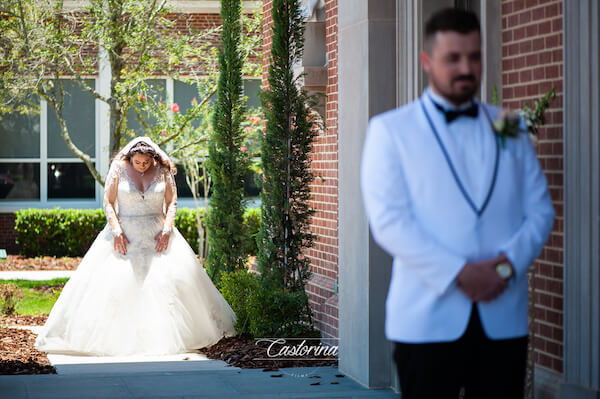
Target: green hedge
70,232
57,232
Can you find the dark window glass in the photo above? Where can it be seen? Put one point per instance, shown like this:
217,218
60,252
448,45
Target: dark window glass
157,92
252,91
183,190
79,113
185,93
70,180
19,181
20,134
251,189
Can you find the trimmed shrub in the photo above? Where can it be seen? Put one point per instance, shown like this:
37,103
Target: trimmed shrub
279,313
236,288
57,232
70,232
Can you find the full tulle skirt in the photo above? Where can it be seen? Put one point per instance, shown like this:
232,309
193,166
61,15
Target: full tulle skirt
142,303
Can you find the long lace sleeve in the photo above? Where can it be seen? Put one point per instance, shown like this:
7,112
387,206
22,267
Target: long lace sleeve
170,201
110,196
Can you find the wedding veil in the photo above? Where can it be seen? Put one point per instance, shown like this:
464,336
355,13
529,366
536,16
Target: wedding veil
163,155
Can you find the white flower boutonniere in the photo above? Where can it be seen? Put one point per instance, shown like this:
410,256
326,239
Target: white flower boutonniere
508,124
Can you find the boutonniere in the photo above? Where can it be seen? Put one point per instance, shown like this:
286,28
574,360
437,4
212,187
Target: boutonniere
508,124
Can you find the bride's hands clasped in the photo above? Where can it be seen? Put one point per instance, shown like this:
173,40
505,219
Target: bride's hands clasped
161,240
120,243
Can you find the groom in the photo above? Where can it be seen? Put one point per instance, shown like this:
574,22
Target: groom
464,215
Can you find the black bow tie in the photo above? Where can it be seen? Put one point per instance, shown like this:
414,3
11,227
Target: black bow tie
452,114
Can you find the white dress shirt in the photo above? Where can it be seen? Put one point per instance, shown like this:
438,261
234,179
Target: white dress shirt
469,145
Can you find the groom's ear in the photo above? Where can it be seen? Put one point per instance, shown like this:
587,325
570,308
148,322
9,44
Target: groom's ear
425,61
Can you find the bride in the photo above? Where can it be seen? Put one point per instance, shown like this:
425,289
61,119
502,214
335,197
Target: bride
140,288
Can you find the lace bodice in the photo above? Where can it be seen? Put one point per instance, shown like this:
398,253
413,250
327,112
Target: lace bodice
123,199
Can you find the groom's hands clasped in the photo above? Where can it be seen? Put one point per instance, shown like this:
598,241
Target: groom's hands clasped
480,281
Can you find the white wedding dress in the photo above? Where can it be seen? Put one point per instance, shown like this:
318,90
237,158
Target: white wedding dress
144,302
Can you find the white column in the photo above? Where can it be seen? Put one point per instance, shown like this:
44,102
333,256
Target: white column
44,153
367,86
102,119
581,103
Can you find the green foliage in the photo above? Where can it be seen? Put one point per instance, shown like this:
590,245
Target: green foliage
9,298
185,221
264,311
70,232
535,117
20,283
273,312
237,287
227,164
32,301
57,232
285,148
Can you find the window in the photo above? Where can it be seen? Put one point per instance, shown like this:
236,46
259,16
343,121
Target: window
156,92
36,164
183,95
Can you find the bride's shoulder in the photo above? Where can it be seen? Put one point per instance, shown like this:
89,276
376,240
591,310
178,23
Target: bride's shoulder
117,166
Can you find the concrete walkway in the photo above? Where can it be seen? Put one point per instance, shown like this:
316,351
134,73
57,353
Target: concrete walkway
35,275
165,380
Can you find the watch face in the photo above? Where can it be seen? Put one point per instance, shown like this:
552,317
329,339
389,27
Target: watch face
504,270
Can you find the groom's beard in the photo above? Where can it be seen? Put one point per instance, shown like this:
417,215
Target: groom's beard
457,95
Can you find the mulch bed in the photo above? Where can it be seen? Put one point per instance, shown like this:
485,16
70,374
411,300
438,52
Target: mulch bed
23,263
22,320
18,356
243,352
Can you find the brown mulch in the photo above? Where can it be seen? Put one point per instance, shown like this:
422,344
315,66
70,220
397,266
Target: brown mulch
244,352
23,263
22,320
18,356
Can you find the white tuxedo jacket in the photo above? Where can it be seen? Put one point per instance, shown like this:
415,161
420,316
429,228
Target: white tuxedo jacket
422,214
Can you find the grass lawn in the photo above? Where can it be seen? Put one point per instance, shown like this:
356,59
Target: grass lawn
36,300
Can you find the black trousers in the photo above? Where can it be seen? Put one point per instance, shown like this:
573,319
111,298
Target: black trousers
487,369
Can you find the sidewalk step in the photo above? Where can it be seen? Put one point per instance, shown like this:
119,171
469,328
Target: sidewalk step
35,275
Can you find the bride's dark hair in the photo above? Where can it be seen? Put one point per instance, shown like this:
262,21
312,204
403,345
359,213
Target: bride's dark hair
145,149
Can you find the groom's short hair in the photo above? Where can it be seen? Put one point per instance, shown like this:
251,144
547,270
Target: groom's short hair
450,19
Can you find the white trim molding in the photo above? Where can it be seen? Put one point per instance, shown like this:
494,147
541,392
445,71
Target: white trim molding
581,122
180,6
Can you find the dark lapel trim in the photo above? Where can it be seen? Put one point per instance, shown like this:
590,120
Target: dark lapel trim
453,170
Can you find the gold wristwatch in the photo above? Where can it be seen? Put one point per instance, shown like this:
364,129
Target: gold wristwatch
504,270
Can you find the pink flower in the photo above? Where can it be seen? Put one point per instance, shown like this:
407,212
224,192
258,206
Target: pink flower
175,108
243,148
163,132
255,120
141,97
248,128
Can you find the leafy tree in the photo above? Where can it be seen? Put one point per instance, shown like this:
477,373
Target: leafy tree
42,42
286,145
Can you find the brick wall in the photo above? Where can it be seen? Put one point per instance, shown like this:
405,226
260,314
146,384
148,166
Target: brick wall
324,254
8,233
532,62
324,199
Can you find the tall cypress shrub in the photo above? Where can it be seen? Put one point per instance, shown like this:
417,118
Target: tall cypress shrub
227,164
285,146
